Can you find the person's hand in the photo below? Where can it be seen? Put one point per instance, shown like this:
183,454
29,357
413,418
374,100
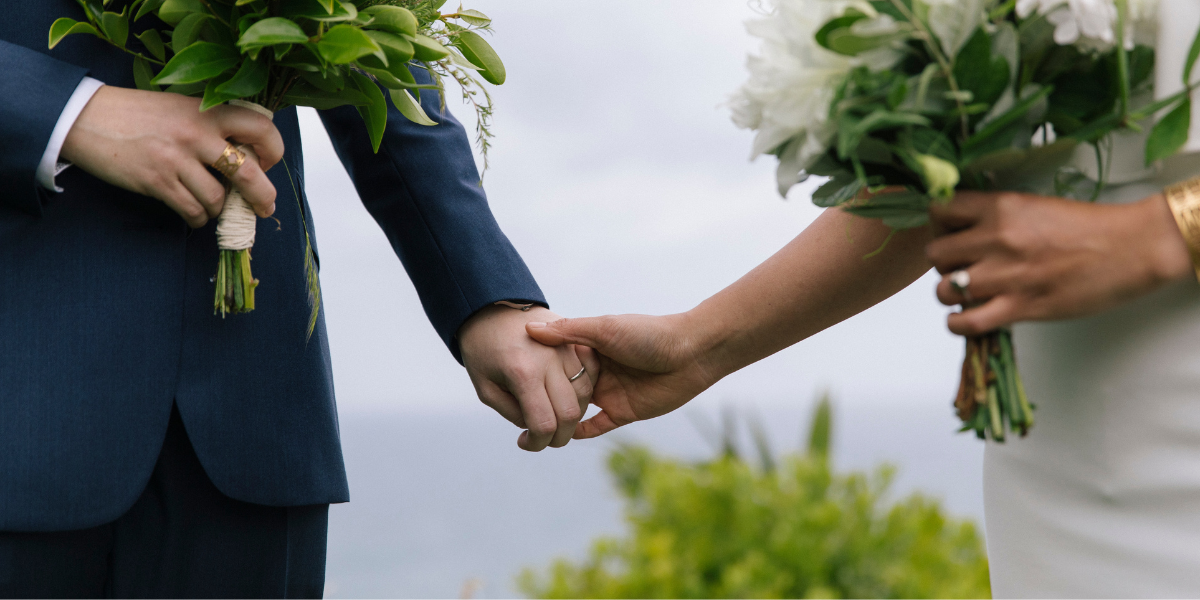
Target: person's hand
649,365
526,382
160,145
1041,258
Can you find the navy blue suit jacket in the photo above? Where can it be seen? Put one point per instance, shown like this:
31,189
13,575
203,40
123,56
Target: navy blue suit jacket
106,305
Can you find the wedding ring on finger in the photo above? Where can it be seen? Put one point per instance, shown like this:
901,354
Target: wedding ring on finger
960,280
582,370
230,161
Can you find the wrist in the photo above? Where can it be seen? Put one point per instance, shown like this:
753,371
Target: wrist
1168,258
704,339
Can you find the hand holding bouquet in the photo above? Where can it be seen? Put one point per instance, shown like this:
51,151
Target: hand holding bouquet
267,55
900,103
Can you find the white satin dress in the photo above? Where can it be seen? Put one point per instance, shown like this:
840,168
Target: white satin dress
1102,499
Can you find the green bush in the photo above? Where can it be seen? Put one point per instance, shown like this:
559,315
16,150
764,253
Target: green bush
791,528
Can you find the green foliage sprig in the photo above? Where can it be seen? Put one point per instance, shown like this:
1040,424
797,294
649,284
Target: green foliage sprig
318,53
793,528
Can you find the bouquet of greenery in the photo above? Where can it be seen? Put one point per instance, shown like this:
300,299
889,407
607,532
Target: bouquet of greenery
901,102
270,54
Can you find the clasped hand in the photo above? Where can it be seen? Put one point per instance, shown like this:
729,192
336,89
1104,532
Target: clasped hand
1028,258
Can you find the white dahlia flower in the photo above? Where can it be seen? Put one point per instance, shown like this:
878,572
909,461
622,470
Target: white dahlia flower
793,80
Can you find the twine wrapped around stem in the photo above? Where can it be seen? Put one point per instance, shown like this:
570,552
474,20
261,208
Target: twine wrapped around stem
235,236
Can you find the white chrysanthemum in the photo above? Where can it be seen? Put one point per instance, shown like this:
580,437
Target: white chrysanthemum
792,83
1091,24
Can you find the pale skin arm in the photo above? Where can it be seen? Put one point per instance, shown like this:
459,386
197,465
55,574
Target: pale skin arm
1030,258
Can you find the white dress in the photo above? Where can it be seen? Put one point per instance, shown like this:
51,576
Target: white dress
1102,499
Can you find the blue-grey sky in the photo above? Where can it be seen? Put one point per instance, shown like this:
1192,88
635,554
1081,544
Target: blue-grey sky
619,177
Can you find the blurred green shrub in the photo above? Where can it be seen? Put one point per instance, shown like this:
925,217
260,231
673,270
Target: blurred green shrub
789,528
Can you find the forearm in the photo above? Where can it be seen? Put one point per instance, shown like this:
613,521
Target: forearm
818,280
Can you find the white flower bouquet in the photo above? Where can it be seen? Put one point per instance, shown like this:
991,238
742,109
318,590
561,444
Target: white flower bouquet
901,102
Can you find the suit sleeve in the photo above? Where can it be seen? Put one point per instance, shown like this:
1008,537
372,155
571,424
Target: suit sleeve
34,89
423,190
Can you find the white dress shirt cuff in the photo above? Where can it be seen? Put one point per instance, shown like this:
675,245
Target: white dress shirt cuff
50,167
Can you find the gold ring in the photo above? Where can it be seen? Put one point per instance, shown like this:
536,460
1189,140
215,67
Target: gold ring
230,161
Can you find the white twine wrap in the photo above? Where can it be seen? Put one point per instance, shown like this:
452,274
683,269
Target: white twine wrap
237,223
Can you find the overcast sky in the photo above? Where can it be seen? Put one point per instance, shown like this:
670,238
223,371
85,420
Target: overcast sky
619,177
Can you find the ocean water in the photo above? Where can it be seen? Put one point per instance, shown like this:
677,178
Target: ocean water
445,505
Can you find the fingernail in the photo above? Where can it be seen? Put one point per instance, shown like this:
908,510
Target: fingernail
536,325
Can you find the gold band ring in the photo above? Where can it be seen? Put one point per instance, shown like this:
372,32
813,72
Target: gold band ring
230,161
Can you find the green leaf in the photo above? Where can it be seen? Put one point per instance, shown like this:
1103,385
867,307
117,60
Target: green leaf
397,49
474,17
116,27
199,62
147,7
476,49
842,187
1193,54
275,30
64,27
153,42
393,19
898,210
331,81
410,108
979,72
188,31
344,44
186,89
173,11
142,74
375,113
428,49
822,35
1170,134
212,95
1000,123
325,11
306,95
250,79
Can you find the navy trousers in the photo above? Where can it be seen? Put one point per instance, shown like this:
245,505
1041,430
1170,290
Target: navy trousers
182,539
